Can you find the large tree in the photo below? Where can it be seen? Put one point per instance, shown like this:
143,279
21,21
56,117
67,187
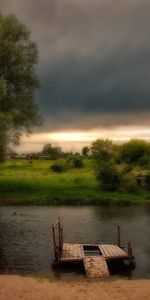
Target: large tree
52,152
102,150
18,81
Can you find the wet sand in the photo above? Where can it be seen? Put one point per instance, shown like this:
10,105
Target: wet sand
27,288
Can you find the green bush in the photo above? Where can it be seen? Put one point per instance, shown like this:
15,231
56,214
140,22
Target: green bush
128,182
108,175
144,161
74,161
77,162
147,180
69,161
58,167
127,168
133,151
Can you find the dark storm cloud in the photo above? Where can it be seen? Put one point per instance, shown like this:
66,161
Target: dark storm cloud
94,60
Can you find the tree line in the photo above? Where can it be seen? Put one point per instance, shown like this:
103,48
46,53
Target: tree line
116,166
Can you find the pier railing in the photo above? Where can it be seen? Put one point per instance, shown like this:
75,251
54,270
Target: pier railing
57,231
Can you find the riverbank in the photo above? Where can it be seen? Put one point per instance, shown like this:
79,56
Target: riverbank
25,288
33,183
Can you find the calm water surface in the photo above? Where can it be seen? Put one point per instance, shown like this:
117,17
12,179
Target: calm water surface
26,238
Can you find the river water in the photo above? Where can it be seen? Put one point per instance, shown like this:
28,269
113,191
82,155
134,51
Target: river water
26,238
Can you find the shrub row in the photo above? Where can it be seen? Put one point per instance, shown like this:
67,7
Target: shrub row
71,162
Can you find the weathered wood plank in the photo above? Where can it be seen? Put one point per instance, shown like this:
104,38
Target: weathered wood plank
112,252
72,252
118,251
104,251
95,267
75,252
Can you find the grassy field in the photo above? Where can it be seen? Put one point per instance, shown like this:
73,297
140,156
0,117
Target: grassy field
33,182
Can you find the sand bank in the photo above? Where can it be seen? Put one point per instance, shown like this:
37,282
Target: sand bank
26,288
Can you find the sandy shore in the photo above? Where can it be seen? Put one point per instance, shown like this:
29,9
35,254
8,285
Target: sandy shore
23,288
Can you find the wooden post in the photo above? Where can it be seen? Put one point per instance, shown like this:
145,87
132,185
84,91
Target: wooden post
59,236
57,249
118,236
57,239
130,253
54,242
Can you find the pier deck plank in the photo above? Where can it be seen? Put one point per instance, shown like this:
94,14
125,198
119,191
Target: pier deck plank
95,267
72,252
112,252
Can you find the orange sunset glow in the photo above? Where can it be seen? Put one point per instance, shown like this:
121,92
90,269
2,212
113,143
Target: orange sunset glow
76,139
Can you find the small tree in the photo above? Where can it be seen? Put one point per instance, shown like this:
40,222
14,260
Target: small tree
85,151
74,161
107,174
133,151
77,161
102,150
105,168
52,152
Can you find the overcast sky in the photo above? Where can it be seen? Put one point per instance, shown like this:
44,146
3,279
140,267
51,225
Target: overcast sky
94,61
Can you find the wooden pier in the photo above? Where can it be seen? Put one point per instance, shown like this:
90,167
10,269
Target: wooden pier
94,257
